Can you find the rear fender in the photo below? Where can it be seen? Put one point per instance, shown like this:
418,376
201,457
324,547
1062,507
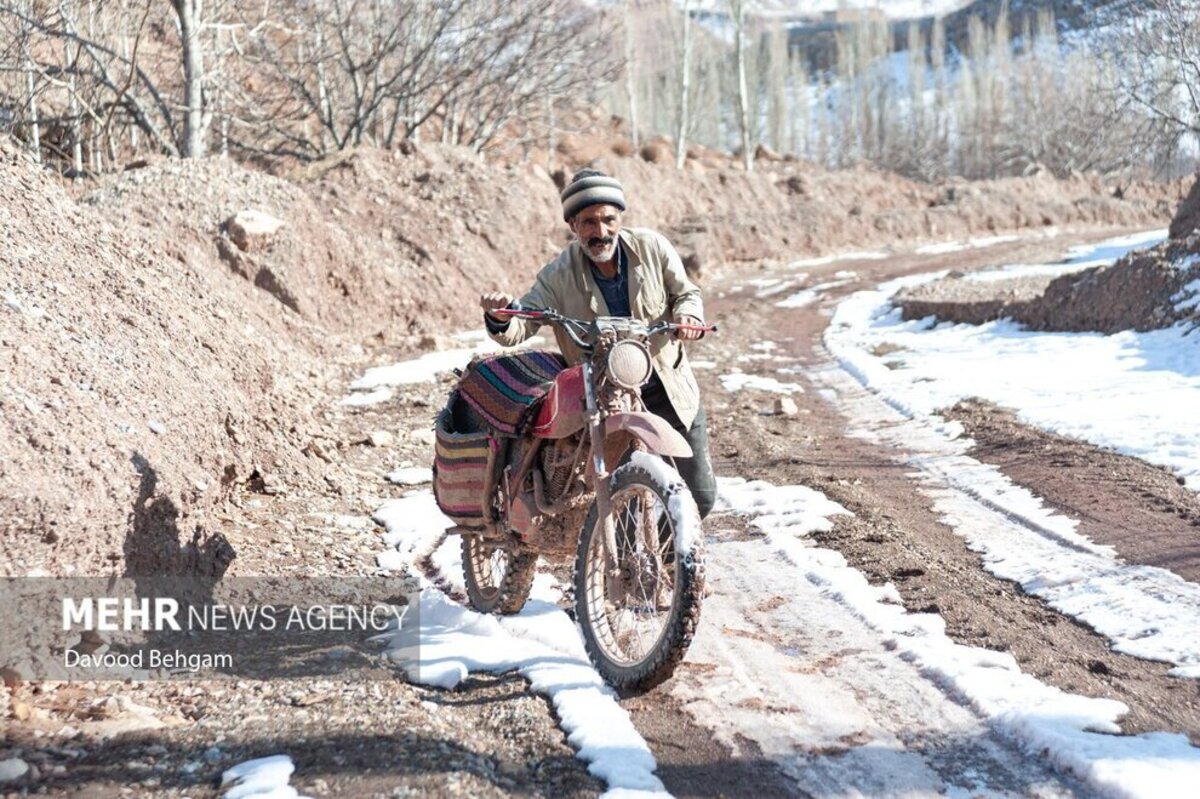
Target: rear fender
658,436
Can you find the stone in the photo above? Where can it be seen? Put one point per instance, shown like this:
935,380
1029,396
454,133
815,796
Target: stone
11,677
13,769
273,485
786,406
252,230
382,438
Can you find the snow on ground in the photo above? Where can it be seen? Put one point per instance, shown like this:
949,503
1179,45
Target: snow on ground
410,475
810,295
736,381
1069,731
1108,251
1134,392
1188,298
263,778
770,286
364,398
958,246
421,370
805,263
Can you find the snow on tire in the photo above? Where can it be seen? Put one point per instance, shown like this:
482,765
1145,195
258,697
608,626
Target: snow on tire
638,623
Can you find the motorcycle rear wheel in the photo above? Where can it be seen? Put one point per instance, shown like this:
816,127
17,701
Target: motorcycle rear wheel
497,581
637,627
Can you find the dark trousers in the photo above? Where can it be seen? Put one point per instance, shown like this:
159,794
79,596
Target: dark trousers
697,470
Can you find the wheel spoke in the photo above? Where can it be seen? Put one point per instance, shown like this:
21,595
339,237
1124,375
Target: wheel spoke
632,612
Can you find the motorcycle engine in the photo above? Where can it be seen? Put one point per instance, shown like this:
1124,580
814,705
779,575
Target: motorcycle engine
558,463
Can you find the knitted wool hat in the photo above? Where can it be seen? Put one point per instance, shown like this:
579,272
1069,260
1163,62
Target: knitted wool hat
591,187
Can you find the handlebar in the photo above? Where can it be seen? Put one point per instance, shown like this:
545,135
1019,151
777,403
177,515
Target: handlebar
566,323
549,316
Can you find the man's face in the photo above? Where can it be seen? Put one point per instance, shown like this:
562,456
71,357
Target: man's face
596,228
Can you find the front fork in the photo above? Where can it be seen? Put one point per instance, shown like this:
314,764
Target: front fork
603,489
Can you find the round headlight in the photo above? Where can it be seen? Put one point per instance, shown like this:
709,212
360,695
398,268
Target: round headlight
629,364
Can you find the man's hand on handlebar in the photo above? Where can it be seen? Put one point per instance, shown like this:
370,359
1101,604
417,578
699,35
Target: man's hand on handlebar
685,333
495,301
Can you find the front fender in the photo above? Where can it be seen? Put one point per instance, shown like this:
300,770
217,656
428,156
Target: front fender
658,436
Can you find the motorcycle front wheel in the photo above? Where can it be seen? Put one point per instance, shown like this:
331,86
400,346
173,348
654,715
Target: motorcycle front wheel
497,581
638,618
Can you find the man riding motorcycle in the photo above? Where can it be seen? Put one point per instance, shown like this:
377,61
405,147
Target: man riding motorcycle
609,270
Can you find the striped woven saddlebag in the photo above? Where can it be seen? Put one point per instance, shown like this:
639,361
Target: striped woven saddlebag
460,463
495,398
505,389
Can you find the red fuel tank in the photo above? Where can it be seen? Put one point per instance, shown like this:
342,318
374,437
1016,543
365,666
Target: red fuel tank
564,408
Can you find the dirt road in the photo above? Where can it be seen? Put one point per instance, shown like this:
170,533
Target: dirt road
781,671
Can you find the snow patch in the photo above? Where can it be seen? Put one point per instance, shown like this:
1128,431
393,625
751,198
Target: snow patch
1188,298
411,476
422,370
360,399
970,244
740,380
846,256
810,295
263,778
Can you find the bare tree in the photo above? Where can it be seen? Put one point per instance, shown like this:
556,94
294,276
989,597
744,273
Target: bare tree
737,9
685,78
190,17
93,77
776,63
1160,70
630,78
373,72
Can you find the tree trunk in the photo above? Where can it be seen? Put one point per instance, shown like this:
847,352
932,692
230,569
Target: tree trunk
189,12
685,81
35,136
550,142
630,83
738,7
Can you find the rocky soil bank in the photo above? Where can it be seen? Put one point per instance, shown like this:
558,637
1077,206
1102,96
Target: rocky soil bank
1146,290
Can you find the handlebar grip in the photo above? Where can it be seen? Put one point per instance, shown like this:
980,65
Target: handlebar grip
517,312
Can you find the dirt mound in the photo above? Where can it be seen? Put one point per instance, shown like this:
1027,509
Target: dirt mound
1142,291
437,226
1187,218
139,386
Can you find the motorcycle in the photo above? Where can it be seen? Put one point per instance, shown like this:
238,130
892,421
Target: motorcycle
583,474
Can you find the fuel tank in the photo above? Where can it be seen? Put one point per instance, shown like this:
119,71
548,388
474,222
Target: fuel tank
564,408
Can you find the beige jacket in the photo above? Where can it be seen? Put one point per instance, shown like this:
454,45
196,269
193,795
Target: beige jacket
659,289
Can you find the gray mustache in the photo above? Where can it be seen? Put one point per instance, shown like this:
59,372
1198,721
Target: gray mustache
599,242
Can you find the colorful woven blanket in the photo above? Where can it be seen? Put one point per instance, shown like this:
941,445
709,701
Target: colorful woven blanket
504,388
